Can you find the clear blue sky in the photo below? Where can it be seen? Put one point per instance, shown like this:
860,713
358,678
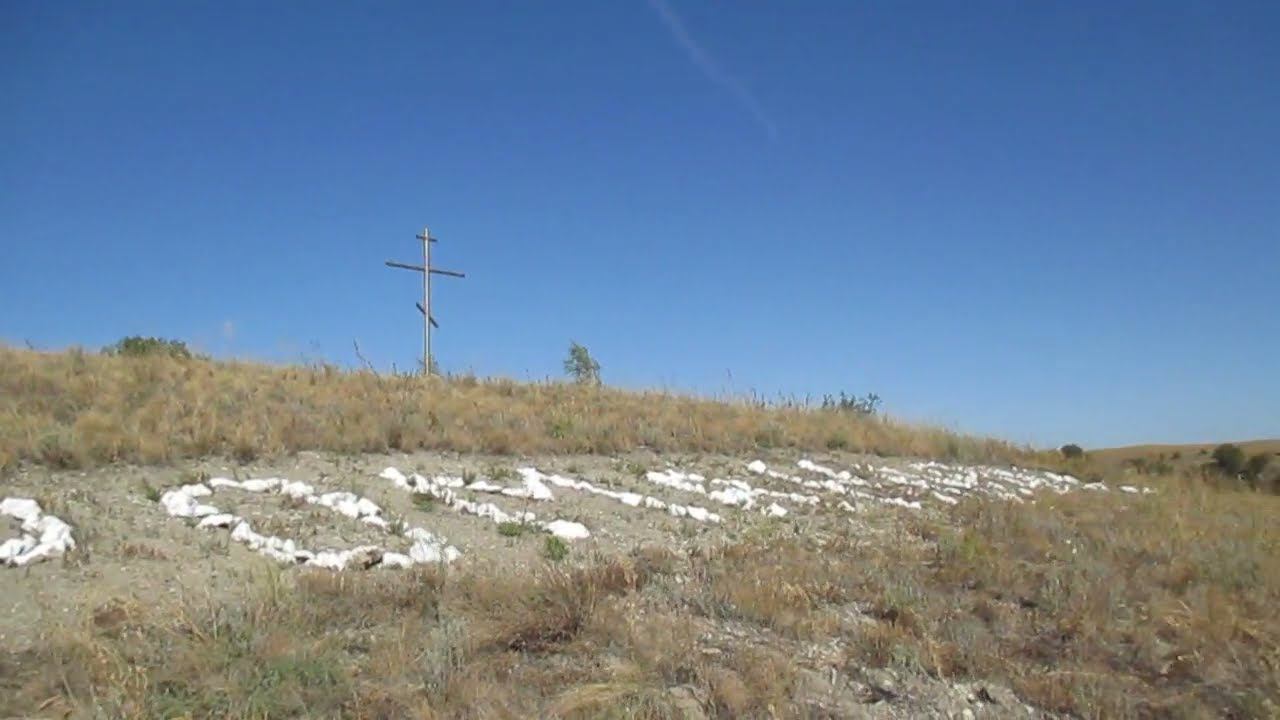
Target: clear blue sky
1047,221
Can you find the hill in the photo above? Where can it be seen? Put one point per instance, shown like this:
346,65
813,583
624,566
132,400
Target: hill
1183,456
77,410
192,538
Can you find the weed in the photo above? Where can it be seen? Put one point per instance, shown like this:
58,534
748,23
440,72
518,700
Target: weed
511,528
150,492
500,473
555,549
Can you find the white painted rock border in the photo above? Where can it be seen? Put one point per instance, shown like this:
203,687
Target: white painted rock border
531,487
442,488
939,481
426,547
630,499
734,493
43,536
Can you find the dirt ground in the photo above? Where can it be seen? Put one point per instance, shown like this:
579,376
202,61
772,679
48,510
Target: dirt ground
129,547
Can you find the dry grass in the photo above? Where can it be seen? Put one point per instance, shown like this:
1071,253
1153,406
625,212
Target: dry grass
1098,606
74,409
420,644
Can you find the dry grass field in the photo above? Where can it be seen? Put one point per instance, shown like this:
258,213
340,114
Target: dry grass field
1083,604
78,409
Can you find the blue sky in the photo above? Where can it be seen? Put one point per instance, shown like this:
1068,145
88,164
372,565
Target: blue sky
1050,221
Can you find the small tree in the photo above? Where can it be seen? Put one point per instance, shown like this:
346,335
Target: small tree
581,366
1072,451
1229,459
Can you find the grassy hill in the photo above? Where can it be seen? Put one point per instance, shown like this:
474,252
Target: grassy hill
76,410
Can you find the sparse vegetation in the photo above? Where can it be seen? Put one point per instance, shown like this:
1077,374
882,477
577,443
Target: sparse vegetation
866,405
72,410
150,492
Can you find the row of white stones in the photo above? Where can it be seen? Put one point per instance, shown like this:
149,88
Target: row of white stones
732,493
443,488
940,481
425,548
43,536
630,499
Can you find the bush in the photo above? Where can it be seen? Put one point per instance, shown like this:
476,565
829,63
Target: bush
1229,459
138,346
1072,451
1254,468
581,366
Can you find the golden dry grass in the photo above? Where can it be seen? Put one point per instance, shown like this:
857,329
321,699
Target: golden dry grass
74,409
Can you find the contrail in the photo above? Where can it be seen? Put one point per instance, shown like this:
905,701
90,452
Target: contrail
708,65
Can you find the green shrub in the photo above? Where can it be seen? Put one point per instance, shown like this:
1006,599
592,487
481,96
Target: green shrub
1229,459
138,346
1072,451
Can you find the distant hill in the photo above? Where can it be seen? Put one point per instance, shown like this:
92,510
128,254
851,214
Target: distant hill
1189,451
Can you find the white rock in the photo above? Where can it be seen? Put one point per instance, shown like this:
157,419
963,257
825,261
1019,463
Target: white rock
395,560
567,530
20,508
257,486
426,552
296,490
220,520
14,548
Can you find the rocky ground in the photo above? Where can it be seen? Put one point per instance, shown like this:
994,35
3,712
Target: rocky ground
498,512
